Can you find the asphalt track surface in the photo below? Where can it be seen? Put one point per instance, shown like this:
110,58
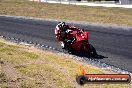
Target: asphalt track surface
112,42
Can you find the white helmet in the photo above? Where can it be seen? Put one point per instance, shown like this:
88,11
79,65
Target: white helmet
61,24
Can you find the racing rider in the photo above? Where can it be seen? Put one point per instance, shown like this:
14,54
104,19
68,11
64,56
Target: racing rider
64,31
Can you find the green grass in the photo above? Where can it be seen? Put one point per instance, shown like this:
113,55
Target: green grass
45,69
14,55
50,74
119,16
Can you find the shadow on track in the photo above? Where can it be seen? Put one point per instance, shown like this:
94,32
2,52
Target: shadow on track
85,55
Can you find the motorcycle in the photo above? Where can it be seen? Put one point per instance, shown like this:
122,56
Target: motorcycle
78,41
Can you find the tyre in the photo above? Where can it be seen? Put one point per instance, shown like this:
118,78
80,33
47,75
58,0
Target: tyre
93,51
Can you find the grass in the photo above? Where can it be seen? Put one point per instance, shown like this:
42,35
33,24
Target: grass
43,69
119,16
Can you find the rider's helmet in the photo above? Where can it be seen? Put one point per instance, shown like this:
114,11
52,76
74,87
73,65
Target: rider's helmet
63,26
63,23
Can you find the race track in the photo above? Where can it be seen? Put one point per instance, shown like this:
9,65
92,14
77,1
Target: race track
112,42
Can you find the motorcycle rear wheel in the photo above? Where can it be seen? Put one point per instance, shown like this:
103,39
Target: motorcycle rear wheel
92,50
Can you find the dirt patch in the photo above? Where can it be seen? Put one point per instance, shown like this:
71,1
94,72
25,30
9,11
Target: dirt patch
13,78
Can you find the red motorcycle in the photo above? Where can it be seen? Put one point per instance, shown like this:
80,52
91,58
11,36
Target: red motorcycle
78,40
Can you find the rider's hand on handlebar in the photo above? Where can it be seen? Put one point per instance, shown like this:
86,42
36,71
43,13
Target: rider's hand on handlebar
68,30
